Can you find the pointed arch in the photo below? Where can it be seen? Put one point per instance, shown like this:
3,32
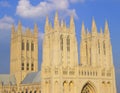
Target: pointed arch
56,87
88,88
32,46
65,87
23,45
61,42
104,47
68,43
98,46
71,87
27,45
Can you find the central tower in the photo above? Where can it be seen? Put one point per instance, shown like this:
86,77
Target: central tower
59,45
59,55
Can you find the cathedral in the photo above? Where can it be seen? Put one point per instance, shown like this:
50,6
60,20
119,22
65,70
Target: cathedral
61,71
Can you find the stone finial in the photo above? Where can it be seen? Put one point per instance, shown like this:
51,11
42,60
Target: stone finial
72,24
56,21
47,24
106,30
83,32
94,28
35,28
19,27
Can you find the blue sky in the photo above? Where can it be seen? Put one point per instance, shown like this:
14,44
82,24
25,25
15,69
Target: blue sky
34,11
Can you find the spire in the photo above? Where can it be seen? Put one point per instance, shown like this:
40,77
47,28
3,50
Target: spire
72,24
46,24
19,27
94,28
106,31
83,32
35,28
56,21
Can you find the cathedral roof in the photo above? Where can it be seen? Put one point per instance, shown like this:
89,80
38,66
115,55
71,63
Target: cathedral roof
7,79
33,77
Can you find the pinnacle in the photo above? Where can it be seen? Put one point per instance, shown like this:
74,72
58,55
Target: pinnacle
83,32
47,20
94,28
106,27
35,28
19,27
56,21
83,28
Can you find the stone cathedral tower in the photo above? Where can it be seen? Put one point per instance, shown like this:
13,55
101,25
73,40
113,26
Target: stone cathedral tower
95,48
96,56
59,55
24,52
61,71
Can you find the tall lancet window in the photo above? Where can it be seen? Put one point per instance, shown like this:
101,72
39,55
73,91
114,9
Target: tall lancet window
22,45
68,43
27,46
90,57
32,46
98,46
61,42
86,50
104,48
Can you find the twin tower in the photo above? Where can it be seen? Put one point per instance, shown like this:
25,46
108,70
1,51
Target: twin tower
60,45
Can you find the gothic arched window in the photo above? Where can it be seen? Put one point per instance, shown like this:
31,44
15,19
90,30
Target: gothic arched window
104,48
32,66
86,50
68,43
27,46
61,42
98,47
32,46
22,66
22,45
27,66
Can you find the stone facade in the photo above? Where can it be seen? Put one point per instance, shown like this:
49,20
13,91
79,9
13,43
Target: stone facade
60,69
